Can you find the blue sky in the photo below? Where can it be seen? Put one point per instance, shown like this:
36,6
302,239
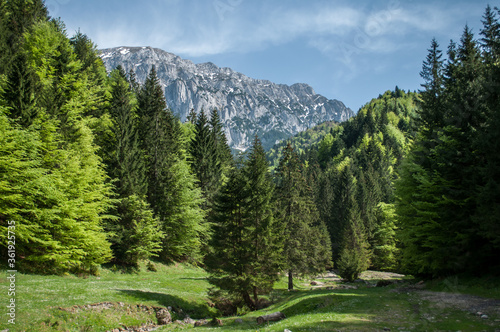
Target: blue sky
346,50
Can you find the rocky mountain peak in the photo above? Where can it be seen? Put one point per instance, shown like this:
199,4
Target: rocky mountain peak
247,106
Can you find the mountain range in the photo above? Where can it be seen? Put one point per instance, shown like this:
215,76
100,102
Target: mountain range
247,106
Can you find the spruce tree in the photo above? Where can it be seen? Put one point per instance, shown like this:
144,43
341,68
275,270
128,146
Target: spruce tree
431,112
437,192
353,247
205,164
245,258
135,233
307,247
172,192
125,159
263,228
223,151
488,140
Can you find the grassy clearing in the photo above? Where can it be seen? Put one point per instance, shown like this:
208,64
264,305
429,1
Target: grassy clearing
39,297
364,308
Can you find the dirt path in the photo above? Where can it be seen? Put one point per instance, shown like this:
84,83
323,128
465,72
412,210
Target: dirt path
476,305
473,304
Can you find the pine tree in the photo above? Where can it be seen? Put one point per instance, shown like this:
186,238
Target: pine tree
353,251
488,140
192,116
17,17
307,247
205,163
439,180
135,232
222,149
245,259
384,243
432,109
172,192
124,157
262,227
491,34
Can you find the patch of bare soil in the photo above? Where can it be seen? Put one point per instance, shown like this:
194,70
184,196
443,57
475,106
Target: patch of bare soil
474,304
367,275
331,280
378,275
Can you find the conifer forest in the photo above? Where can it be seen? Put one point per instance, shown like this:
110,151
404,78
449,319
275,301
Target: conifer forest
95,169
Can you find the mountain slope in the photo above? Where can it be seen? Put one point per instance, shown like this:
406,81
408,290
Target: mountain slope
247,106
301,141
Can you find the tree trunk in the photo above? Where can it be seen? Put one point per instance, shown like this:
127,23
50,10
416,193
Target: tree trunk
290,280
275,316
248,300
255,297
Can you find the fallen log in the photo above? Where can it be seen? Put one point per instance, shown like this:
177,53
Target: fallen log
275,316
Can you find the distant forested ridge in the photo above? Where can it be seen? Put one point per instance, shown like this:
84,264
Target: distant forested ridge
352,170
95,168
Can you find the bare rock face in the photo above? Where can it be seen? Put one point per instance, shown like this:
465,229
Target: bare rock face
247,106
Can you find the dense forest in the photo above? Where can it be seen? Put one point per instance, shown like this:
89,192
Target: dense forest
95,168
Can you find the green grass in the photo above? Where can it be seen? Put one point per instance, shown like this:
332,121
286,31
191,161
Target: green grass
39,299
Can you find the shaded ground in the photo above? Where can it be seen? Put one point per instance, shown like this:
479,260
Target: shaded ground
473,304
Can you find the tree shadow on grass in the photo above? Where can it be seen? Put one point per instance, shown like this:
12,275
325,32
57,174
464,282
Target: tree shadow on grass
194,310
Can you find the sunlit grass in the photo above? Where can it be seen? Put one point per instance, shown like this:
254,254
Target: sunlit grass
365,308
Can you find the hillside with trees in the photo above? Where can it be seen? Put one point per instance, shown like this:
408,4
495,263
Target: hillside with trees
96,169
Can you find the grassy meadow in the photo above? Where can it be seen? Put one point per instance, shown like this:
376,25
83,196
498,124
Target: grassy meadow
47,303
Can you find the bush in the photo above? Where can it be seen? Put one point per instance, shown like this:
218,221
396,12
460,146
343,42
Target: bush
351,263
151,267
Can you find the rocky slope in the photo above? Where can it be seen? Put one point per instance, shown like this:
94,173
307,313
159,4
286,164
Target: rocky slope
247,106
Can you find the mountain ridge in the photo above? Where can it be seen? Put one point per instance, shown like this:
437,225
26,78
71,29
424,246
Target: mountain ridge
247,106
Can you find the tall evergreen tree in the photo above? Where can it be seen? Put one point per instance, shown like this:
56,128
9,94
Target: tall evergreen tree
353,252
206,166
488,140
491,33
125,159
263,228
172,192
438,206
245,260
135,233
307,247
431,113
222,149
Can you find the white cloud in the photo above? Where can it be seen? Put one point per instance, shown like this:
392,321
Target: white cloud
221,26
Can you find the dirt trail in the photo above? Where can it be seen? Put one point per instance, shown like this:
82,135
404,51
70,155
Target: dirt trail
473,304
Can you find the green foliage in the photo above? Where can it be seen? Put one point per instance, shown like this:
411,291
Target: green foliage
300,142
210,154
140,233
172,192
204,156
441,202
358,160
384,244
120,149
307,247
245,259
351,264
56,187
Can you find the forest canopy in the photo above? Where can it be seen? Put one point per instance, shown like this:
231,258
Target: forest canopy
95,168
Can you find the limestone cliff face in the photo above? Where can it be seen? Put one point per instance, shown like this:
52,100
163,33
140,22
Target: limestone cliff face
247,106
